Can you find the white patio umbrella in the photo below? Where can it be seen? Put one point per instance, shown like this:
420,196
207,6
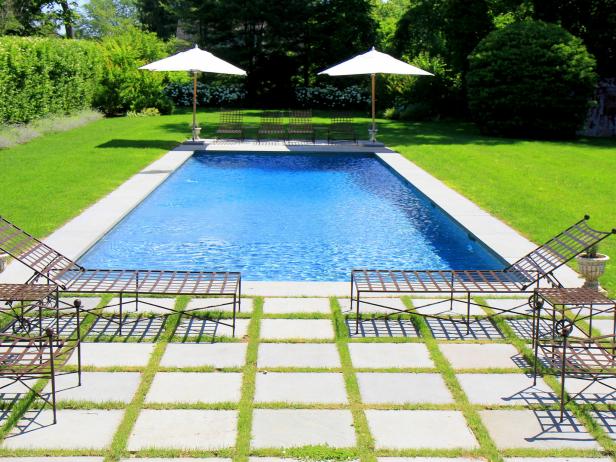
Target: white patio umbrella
194,60
373,62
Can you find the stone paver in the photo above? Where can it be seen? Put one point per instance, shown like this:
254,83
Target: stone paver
285,428
536,429
427,459
441,306
510,304
481,356
195,387
97,387
296,305
140,327
366,305
604,326
402,388
599,393
373,328
323,355
184,429
482,329
419,429
300,387
281,329
204,355
75,429
145,305
557,459
87,303
177,459
114,354
227,304
389,355
195,327
607,421
53,459
506,389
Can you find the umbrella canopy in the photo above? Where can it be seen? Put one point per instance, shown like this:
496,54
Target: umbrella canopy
194,60
373,62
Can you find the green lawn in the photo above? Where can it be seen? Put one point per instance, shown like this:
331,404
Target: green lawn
537,187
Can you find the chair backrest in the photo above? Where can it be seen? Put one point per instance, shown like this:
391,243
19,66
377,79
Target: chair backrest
33,253
272,122
559,250
301,117
231,117
341,118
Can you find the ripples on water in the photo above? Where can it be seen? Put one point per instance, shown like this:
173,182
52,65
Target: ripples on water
287,217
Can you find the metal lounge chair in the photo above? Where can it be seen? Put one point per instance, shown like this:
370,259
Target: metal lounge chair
341,128
69,276
271,126
231,123
517,278
300,125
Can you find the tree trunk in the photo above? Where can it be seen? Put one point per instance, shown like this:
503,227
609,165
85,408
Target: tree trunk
68,20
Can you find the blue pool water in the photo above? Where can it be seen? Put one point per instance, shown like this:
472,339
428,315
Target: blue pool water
287,217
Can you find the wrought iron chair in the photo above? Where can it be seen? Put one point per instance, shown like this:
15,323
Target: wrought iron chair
300,125
341,128
231,123
271,126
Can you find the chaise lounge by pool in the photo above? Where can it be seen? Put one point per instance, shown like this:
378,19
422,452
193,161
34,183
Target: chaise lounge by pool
288,217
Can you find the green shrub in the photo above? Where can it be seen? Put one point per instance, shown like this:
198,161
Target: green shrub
530,79
123,86
427,97
43,76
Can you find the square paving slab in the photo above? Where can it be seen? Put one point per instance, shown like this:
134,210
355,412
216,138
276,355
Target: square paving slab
204,355
281,329
506,389
140,327
557,459
536,429
482,329
481,356
195,327
296,305
371,305
599,393
184,429
223,304
428,459
604,326
52,459
389,355
298,355
144,305
436,306
65,326
75,429
402,388
97,387
419,429
520,305
381,328
300,387
286,428
607,421
177,459
195,387
114,354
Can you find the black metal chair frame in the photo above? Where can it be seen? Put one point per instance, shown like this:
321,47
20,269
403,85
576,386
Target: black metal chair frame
70,277
518,278
272,123
231,123
341,128
300,125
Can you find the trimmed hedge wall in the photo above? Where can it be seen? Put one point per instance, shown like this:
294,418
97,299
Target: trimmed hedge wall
41,76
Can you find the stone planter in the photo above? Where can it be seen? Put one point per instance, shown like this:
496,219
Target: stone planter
592,268
4,260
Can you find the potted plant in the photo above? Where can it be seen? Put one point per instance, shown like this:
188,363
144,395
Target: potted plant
592,266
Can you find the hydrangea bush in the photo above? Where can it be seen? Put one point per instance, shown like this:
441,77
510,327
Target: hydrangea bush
330,97
208,95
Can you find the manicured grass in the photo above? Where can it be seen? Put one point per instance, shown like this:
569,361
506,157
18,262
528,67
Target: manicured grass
538,187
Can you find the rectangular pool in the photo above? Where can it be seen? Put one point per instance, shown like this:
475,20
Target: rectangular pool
287,217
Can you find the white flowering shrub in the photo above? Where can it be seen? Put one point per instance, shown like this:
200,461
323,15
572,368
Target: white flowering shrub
209,95
330,97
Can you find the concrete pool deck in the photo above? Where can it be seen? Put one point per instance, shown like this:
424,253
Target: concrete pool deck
79,234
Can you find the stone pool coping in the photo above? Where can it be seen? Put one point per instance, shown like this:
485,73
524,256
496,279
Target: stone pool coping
79,234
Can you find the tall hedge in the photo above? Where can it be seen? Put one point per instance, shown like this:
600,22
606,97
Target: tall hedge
41,76
530,79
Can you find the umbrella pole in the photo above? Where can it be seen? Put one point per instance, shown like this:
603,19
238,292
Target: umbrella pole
194,125
373,131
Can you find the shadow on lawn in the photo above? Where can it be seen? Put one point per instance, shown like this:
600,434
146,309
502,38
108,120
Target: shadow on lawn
154,144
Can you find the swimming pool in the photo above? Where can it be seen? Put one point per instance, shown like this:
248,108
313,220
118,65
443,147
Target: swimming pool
287,217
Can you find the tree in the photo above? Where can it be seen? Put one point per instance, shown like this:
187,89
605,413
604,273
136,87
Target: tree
594,21
386,14
39,17
107,17
159,16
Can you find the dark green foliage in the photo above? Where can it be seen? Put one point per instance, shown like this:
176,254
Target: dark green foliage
530,79
37,17
594,21
40,76
123,86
